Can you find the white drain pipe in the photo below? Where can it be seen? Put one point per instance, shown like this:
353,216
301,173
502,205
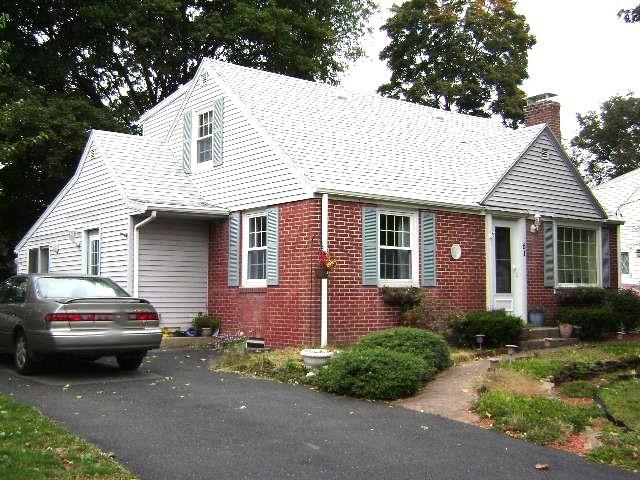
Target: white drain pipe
136,249
324,295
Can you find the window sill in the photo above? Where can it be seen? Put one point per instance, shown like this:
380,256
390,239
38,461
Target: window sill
250,290
398,283
569,286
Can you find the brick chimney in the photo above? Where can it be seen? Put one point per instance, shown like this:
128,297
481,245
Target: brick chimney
541,109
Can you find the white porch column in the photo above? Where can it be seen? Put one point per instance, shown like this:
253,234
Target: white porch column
324,295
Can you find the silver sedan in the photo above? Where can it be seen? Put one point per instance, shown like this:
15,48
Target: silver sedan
86,316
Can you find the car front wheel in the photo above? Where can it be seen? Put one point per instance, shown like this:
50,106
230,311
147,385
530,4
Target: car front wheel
130,362
23,359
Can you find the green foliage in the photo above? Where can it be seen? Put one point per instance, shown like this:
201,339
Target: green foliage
539,420
291,371
459,55
578,389
206,321
36,448
622,399
403,297
499,328
593,321
608,143
68,67
625,305
373,373
429,346
582,297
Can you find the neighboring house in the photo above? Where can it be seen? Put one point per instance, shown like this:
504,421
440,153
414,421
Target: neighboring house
621,198
242,176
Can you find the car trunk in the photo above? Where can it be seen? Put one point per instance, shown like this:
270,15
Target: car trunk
108,314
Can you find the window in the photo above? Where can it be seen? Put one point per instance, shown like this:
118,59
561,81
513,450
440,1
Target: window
92,252
38,260
255,244
397,247
205,137
33,260
624,263
503,259
577,256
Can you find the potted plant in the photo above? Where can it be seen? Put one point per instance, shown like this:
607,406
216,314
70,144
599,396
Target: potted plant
536,316
326,263
205,324
566,329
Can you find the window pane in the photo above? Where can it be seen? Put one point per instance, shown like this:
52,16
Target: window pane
576,255
624,263
503,260
204,150
33,260
43,262
257,264
395,264
395,231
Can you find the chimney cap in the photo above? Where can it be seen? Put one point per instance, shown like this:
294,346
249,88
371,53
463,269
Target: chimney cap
540,97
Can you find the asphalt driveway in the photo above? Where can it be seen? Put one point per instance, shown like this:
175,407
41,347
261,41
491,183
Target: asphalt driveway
176,419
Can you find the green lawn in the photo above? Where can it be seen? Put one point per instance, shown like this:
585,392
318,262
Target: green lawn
33,447
623,400
546,363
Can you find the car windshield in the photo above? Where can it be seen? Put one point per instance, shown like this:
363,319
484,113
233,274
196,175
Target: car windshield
73,287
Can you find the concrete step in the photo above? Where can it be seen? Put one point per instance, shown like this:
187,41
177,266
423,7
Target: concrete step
534,333
540,343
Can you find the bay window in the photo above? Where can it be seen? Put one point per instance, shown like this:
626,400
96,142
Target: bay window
577,256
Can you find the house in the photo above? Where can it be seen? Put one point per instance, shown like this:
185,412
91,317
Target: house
621,199
241,177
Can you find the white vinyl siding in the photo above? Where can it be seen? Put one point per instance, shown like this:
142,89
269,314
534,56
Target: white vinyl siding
173,271
253,173
94,200
547,186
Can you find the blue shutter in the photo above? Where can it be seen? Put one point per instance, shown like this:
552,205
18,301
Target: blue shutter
549,267
272,246
234,250
369,246
428,225
186,141
606,258
218,112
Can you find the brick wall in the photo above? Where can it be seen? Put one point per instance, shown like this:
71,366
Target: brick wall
284,315
355,309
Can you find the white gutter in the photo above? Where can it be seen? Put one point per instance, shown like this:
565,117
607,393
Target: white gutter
324,295
136,249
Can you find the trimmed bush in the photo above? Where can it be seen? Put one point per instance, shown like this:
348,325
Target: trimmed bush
626,310
594,321
429,346
582,297
499,327
373,373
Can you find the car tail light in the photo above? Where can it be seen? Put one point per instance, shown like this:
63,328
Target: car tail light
78,317
143,316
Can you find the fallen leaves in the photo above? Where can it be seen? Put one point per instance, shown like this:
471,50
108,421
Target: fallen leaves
542,466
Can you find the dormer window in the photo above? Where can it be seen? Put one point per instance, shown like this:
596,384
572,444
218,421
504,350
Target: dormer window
205,137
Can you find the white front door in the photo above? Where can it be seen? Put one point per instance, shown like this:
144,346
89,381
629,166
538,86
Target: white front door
508,267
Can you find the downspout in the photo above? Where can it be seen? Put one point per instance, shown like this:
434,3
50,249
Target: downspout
136,248
324,295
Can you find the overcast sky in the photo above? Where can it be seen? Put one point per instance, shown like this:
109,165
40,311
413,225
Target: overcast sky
584,54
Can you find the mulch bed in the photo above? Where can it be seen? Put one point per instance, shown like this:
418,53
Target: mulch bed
575,443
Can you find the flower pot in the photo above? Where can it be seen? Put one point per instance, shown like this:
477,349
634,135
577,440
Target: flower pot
206,332
322,272
536,319
565,330
316,357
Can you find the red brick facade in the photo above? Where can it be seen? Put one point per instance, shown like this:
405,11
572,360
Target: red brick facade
545,111
289,314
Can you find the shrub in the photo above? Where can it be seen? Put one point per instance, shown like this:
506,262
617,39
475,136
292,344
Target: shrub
582,297
403,297
374,373
593,321
429,346
291,371
205,321
499,327
626,310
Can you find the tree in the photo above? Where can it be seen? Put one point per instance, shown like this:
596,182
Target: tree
630,15
608,144
133,53
464,55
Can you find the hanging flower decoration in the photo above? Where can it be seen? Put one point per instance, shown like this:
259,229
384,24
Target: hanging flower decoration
326,261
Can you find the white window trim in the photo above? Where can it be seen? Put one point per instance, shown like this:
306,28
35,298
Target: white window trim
204,166
414,281
583,226
246,281
38,251
85,250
